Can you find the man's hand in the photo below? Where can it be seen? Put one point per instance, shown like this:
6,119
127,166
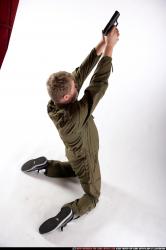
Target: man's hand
108,42
113,37
111,40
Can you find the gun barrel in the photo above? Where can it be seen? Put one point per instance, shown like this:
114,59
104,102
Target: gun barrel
111,22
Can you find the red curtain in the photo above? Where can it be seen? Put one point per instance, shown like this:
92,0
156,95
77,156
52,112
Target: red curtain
8,9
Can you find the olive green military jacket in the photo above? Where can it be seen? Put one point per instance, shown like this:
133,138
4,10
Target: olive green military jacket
74,121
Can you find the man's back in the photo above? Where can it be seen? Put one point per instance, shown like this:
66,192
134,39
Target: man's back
74,121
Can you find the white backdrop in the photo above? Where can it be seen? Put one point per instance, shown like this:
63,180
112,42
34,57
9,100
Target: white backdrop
54,35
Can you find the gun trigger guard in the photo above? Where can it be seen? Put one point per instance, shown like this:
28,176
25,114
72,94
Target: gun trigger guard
116,24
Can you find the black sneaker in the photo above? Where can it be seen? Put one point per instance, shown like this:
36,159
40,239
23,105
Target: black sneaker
59,221
35,164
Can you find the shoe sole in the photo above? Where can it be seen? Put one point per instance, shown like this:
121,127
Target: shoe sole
35,164
53,223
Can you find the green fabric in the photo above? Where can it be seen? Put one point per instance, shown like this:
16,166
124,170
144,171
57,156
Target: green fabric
79,134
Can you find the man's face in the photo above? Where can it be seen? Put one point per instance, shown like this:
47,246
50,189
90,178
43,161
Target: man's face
72,95
74,92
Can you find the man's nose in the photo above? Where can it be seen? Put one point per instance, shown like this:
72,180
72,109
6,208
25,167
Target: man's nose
76,85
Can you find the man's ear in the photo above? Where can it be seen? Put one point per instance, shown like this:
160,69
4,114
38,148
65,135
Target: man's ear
66,97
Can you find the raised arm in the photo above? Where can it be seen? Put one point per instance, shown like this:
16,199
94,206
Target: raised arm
99,81
81,73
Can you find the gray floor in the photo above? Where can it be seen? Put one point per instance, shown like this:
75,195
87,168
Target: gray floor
125,215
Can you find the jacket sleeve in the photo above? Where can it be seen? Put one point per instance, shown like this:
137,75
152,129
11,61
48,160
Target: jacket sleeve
81,72
94,92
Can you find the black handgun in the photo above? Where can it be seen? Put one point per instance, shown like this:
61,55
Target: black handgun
111,23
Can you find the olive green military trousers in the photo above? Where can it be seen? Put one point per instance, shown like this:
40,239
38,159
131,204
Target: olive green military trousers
89,177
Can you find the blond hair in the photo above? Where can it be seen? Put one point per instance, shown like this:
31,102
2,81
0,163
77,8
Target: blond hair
59,84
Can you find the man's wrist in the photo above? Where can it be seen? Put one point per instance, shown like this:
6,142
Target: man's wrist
108,51
99,48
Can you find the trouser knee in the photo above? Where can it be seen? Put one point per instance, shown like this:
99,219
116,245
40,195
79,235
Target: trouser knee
59,169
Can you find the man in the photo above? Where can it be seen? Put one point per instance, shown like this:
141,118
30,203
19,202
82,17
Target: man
77,129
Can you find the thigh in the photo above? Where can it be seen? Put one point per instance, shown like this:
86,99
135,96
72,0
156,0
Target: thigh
88,171
93,188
